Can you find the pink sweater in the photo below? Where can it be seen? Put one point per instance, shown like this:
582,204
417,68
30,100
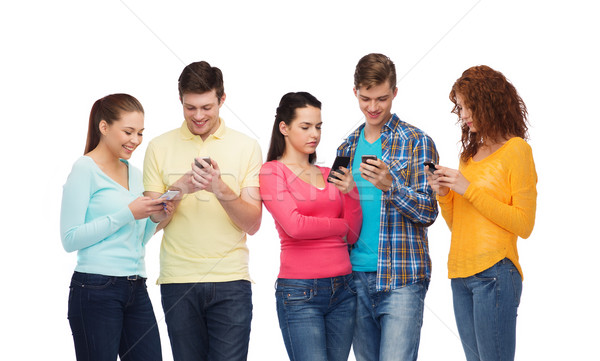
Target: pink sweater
313,224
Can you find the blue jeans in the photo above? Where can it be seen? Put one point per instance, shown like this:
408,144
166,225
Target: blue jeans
388,323
316,317
112,316
209,320
485,308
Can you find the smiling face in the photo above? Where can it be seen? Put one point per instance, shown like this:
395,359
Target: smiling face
123,136
376,103
201,112
303,134
464,113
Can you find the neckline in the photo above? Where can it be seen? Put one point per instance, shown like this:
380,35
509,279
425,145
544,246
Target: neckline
364,138
124,161
493,154
305,182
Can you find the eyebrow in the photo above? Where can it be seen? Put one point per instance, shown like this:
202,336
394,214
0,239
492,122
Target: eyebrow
132,128
379,97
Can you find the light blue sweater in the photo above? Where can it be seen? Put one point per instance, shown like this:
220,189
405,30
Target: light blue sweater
95,220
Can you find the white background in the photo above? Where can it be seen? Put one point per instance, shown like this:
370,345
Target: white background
58,57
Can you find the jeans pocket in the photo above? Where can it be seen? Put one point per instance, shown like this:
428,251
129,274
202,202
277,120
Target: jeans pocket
351,286
294,295
91,281
517,283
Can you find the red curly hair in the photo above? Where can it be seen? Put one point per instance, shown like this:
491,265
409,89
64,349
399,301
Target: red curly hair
497,110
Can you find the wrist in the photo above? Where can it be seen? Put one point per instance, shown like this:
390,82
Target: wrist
224,193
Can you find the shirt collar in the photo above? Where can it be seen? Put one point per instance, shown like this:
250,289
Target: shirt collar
392,123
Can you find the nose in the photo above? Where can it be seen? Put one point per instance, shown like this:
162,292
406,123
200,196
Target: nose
198,114
372,105
136,139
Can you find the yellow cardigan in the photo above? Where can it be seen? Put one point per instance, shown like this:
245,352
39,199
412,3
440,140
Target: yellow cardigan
497,207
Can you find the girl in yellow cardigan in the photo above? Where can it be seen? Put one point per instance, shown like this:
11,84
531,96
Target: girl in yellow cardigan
487,203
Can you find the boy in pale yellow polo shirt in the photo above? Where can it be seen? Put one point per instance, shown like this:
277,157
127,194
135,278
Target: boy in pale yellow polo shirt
205,285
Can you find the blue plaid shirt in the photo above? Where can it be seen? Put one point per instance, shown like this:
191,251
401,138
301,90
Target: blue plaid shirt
407,208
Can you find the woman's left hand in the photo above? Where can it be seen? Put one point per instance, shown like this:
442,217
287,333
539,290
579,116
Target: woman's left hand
453,179
168,209
345,183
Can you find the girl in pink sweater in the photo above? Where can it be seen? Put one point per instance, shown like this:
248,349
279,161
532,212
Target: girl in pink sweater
316,218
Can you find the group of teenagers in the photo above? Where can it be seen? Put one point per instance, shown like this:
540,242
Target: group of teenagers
354,261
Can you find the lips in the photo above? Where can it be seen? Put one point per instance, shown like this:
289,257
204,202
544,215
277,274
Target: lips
200,123
130,149
374,115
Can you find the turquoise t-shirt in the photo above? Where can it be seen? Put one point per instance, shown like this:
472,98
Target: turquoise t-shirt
364,252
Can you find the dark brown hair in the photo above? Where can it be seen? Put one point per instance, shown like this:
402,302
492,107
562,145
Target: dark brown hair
110,109
497,110
286,112
200,77
374,69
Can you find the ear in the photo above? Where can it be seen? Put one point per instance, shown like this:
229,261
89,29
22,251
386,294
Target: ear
222,100
355,92
395,91
283,128
103,127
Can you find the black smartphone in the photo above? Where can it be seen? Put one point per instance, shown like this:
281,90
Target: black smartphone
206,159
364,158
431,167
340,161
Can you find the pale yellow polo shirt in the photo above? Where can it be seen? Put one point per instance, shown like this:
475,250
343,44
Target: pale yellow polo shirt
201,243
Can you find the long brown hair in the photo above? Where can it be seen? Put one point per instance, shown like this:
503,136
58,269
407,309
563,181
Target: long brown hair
109,109
286,112
496,108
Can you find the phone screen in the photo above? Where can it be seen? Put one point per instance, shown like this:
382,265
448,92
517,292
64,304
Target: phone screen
340,161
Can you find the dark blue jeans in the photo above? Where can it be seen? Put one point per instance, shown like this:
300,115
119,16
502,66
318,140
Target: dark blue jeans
208,321
316,317
485,308
112,316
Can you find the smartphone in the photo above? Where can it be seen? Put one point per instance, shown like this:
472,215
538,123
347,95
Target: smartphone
206,159
340,161
365,157
168,195
431,167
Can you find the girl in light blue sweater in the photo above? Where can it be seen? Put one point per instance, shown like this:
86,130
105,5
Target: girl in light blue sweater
105,218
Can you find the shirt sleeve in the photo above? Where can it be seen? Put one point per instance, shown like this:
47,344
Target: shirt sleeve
281,204
447,207
149,231
410,193
518,217
251,178
75,232
152,178
352,215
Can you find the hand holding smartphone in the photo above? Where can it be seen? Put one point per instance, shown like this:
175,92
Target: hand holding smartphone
340,161
364,159
431,166
168,195
206,159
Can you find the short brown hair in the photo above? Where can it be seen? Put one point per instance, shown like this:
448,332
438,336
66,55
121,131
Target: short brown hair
200,77
374,69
